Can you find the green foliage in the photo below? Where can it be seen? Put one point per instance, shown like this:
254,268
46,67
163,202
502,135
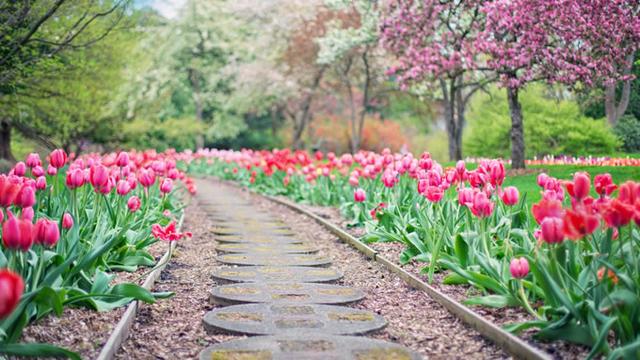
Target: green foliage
628,130
172,133
592,100
551,126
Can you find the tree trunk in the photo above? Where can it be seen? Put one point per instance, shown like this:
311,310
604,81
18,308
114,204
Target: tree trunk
449,113
613,107
5,141
517,130
304,117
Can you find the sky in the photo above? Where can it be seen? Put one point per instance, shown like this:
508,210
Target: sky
167,8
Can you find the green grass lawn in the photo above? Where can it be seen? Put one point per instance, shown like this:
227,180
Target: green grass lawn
527,183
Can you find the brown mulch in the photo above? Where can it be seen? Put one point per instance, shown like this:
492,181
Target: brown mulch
392,251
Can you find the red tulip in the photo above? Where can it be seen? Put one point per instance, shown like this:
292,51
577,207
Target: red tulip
519,267
166,186
510,195
17,234
20,169
359,195
617,213
168,233
133,203
122,159
46,232
9,189
11,289
604,184
579,188
67,221
578,224
629,192
58,158
33,160
547,208
551,230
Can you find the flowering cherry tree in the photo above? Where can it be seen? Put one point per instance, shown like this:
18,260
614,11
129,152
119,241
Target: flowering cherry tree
558,41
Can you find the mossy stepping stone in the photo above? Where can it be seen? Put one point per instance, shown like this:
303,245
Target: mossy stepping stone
267,249
276,319
274,260
284,293
251,230
276,273
296,347
257,239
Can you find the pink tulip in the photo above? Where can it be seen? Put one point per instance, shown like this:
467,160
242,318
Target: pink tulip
67,221
27,214
434,193
41,183
122,159
26,197
359,195
353,180
46,232
542,180
146,177
51,170
166,186
75,178
519,268
482,206
581,186
99,176
510,195
552,230
497,173
9,189
123,187
58,158
17,234
33,160
465,196
20,169
37,171
133,203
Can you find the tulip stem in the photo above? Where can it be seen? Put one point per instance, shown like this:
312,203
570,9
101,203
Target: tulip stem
525,302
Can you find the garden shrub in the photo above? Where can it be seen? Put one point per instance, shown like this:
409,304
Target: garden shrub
628,130
551,126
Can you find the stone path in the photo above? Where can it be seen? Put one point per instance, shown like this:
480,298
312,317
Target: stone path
279,287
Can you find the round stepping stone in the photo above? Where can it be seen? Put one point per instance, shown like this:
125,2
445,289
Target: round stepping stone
276,273
284,293
318,347
275,319
266,249
274,260
259,225
249,231
257,239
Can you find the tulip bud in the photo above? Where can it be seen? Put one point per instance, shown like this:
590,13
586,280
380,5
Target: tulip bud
510,195
146,177
123,187
57,158
166,186
33,160
75,178
133,203
26,197
581,185
542,180
46,232
12,287
99,176
519,267
552,230
122,159
28,214
37,171
434,193
359,195
9,190
17,234
67,221
51,170
41,183
20,169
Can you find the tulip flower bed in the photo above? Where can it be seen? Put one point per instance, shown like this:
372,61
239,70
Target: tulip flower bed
66,230
570,260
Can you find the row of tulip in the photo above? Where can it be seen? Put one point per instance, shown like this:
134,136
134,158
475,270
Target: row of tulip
69,226
571,261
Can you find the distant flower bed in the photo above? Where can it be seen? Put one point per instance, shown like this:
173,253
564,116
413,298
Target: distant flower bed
572,160
572,261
